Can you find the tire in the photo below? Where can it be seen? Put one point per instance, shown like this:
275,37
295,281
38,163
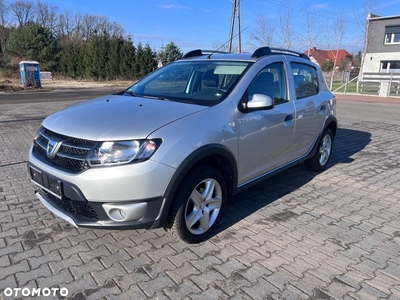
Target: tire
321,158
197,205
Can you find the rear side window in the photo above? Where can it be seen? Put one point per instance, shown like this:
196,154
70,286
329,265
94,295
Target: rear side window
305,80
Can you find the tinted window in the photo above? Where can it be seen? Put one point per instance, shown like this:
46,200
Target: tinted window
198,82
305,80
270,81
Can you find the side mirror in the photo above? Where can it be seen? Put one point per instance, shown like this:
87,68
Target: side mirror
260,102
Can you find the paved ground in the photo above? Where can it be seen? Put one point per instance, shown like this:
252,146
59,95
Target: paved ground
299,235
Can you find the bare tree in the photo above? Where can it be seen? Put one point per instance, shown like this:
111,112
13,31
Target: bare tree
263,30
285,19
46,15
3,13
361,14
116,30
221,46
3,22
65,26
338,30
23,11
102,25
313,29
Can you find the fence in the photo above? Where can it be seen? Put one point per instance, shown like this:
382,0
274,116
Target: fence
46,76
383,84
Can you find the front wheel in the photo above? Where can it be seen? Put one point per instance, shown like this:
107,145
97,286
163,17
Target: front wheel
197,205
320,160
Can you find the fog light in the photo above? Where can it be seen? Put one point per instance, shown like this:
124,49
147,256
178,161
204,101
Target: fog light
125,212
117,214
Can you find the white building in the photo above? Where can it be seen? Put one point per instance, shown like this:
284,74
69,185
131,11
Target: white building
382,50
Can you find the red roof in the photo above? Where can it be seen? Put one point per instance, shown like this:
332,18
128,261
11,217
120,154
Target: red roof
321,56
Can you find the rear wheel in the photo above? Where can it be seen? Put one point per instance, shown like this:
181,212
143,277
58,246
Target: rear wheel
197,205
320,160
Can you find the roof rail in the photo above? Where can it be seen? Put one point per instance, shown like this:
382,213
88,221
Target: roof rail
199,52
263,51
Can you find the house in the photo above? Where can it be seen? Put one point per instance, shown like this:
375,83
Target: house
320,57
382,45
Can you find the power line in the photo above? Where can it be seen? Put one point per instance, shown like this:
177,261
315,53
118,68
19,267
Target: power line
301,7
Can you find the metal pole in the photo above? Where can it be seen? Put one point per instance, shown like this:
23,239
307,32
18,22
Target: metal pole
239,35
232,25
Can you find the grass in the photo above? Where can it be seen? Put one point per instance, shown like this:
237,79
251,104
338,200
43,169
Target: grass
351,87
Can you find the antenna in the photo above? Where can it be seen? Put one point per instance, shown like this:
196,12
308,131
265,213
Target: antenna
230,40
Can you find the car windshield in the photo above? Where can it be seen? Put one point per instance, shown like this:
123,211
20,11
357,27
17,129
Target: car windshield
197,82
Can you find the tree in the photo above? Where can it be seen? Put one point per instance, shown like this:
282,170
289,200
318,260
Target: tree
285,18
149,60
263,30
114,55
23,11
345,64
312,29
357,61
4,31
71,60
367,7
220,46
338,29
127,59
65,27
145,60
34,42
328,66
169,53
46,15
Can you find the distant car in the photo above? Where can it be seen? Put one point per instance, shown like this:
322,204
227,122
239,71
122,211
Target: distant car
172,148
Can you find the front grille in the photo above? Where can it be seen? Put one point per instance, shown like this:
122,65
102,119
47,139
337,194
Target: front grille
75,207
71,155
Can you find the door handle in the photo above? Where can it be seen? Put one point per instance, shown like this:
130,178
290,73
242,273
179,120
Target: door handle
289,118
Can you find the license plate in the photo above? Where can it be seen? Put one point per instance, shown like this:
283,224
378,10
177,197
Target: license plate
46,181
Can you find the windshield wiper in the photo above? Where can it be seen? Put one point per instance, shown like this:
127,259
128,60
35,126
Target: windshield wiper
156,97
131,93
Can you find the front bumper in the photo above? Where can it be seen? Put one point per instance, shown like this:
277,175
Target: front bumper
121,197
93,215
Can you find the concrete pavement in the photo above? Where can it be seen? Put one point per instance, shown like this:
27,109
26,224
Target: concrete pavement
298,235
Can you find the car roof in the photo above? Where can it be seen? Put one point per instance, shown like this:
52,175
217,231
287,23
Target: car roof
199,54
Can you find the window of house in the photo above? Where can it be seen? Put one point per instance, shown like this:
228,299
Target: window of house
392,35
390,66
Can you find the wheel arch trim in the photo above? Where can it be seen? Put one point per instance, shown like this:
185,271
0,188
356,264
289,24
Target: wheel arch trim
201,154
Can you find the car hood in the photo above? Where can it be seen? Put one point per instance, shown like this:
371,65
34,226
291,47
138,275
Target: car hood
116,117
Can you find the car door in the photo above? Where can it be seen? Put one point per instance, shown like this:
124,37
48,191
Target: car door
265,136
311,107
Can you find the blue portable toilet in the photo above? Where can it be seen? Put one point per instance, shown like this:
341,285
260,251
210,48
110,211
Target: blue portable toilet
30,73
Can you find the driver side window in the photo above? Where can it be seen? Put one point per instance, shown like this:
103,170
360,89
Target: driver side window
270,81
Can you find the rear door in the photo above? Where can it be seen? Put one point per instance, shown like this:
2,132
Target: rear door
311,106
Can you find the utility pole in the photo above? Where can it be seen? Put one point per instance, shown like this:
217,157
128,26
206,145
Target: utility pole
235,7
239,30
232,26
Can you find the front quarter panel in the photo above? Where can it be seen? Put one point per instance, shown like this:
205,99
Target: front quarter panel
214,125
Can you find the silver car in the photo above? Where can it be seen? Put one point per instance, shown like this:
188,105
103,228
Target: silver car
171,150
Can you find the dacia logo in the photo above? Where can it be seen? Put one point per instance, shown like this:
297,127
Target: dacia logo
52,148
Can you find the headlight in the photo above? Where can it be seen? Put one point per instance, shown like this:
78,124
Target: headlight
122,152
